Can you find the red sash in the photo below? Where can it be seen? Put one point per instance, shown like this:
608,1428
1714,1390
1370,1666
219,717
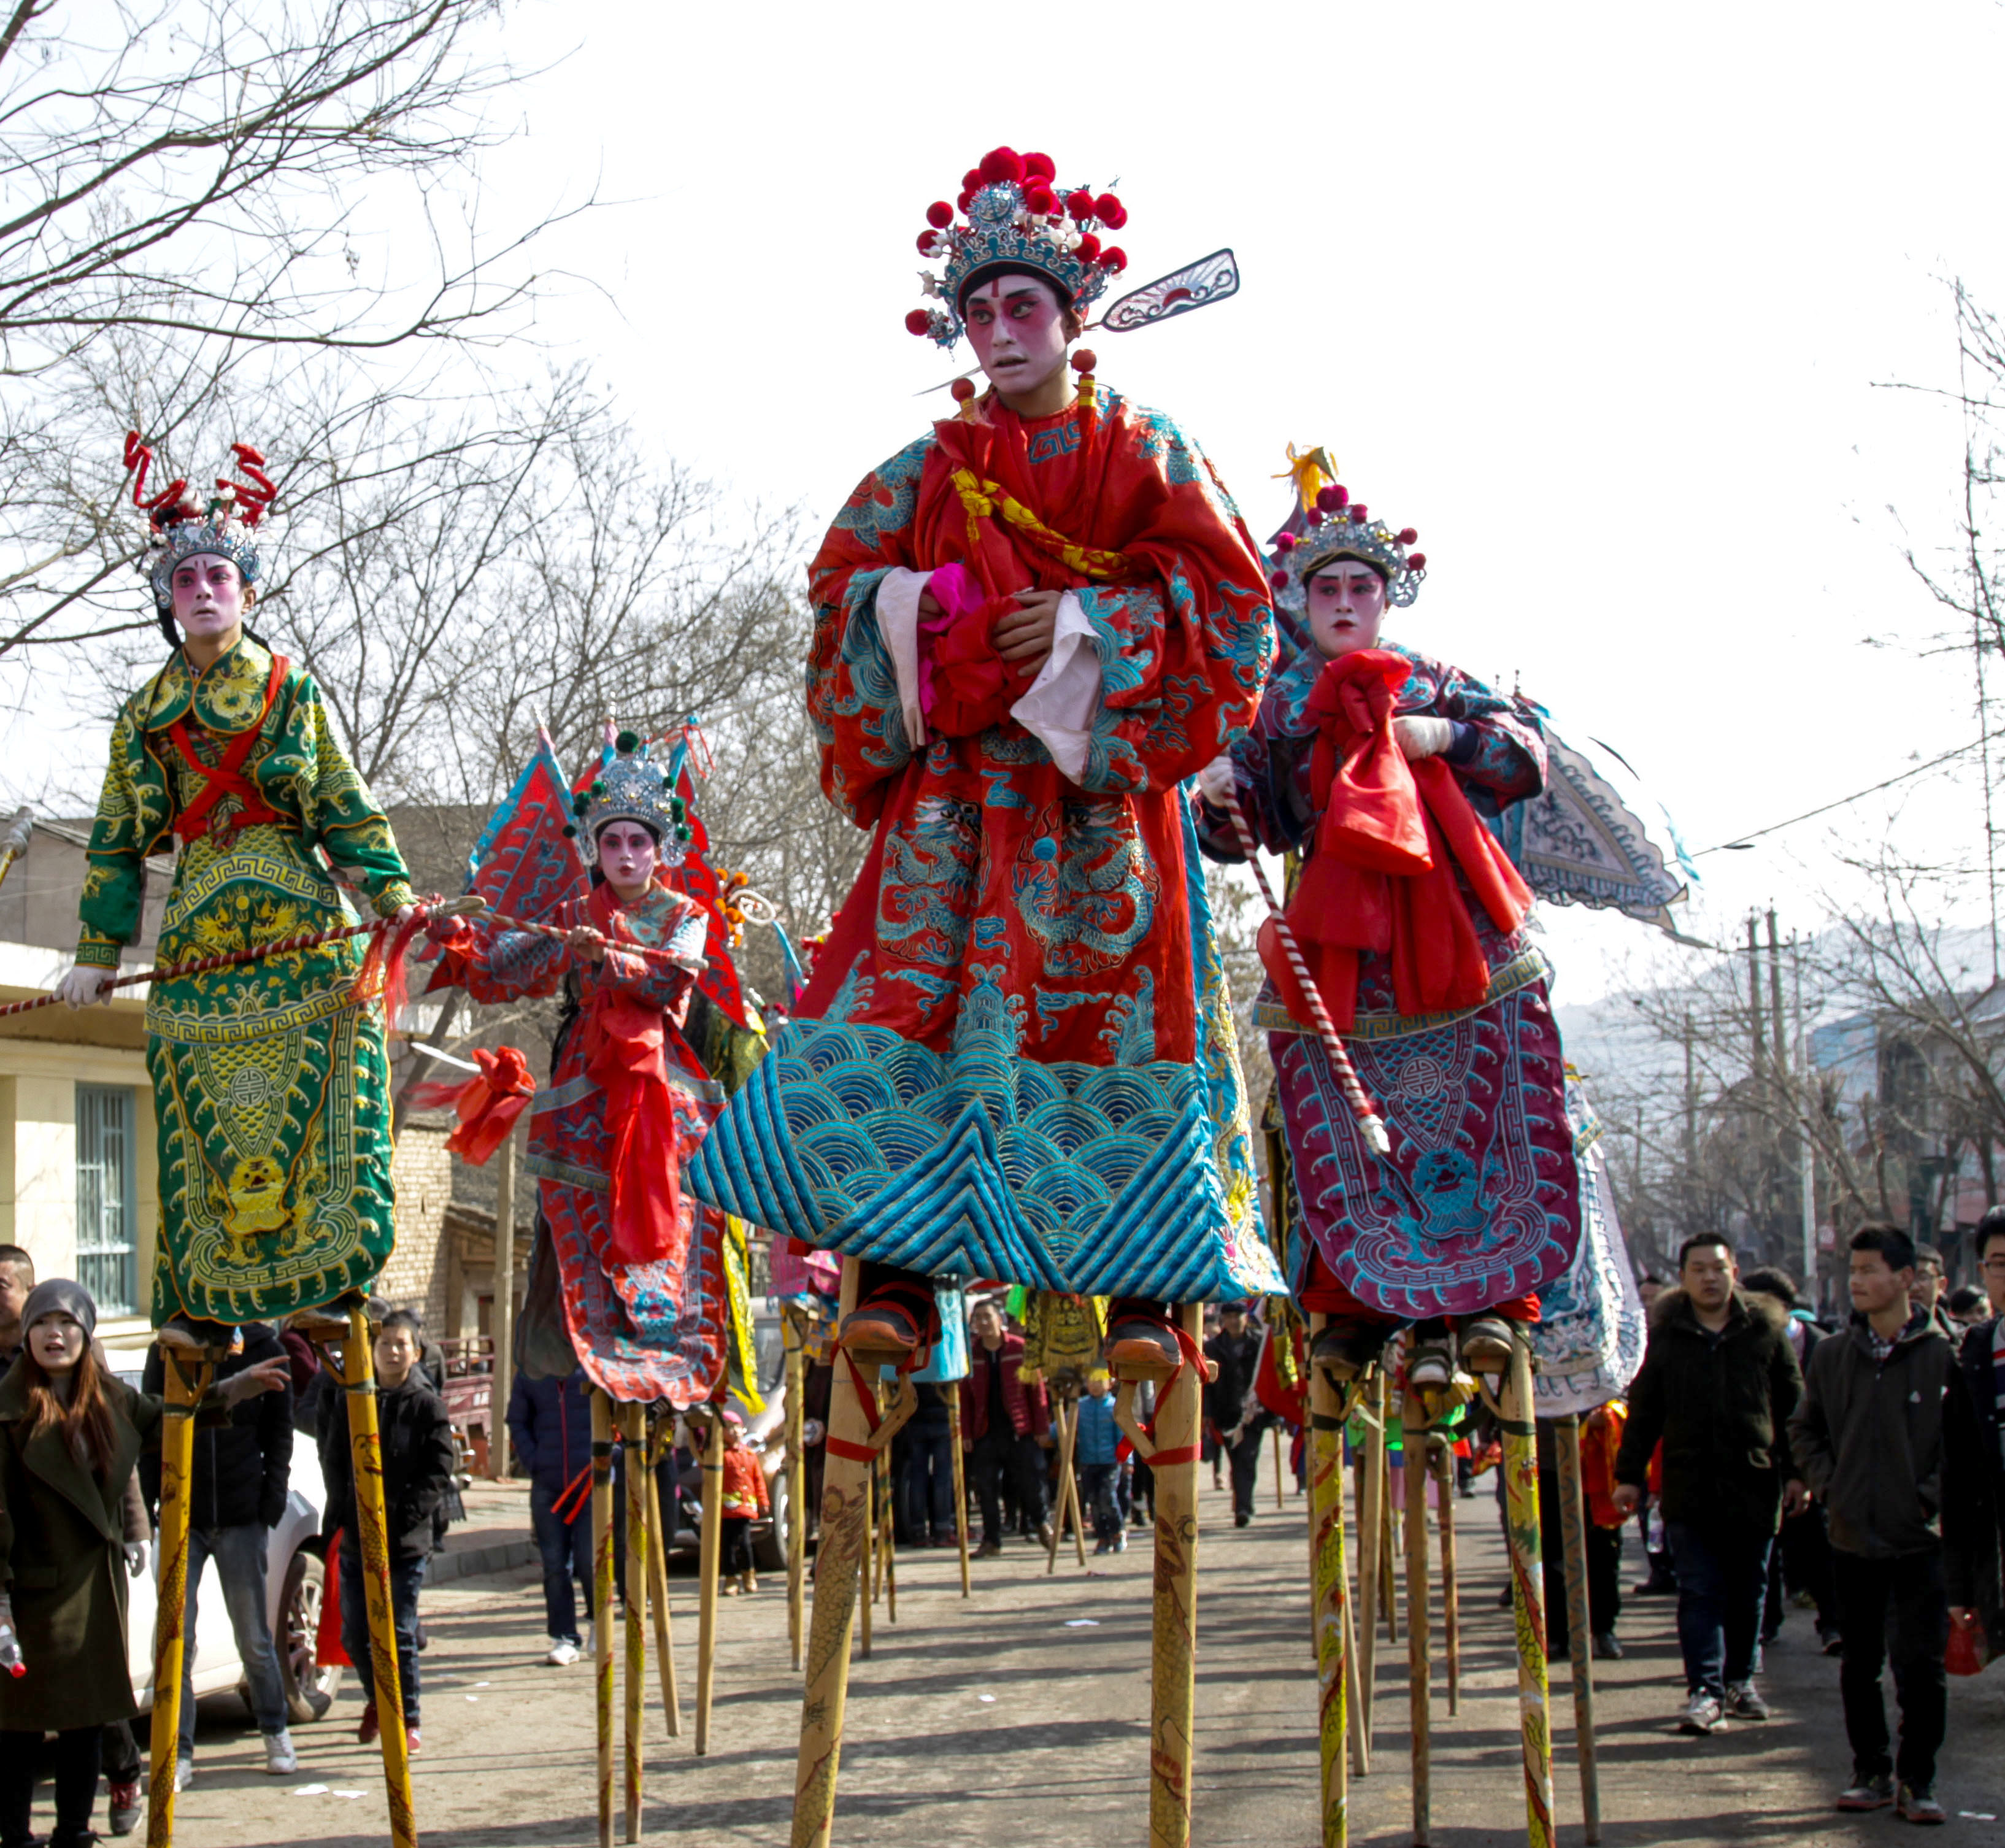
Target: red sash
225,777
624,1042
1389,835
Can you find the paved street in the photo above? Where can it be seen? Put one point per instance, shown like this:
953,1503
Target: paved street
998,1721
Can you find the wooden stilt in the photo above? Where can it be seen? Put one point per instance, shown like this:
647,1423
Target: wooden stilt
1280,1493
1580,1622
1370,1544
873,1563
960,1485
1360,1744
1419,1669
1064,1417
1389,1546
1072,1487
602,1600
190,1366
1442,1453
640,1480
709,1560
1173,1456
372,1523
1327,1406
838,1565
657,1578
1521,1488
792,1333
887,1525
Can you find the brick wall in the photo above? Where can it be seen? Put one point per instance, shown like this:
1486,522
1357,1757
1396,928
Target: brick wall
415,1276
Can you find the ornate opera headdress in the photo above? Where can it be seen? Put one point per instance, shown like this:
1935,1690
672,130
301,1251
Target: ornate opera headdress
181,529
1327,525
631,787
1016,214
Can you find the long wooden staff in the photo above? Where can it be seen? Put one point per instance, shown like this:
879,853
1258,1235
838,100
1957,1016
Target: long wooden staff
1414,1422
1520,1491
960,1486
1281,1496
601,1601
1580,1626
1443,1455
791,1334
190,1367
640,1479
1063,1415
887,1528
662,1435
1370,1544
1329,1402
1371,1125
709,1561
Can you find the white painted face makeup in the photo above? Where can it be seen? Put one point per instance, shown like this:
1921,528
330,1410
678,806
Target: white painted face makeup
1346,605
1017,326
626,856
210,598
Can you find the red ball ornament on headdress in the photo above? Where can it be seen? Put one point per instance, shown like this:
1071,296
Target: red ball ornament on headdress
1357,514
1000,165
1089,247
1331,498
971,179
1084,360
940,215
1313,516
1407,535
1041,201
1418,562
1342,493
919,321
1285,542
965,200
925,243
1080,205
1040,166
1114,258
1110,210
1281,579
963,389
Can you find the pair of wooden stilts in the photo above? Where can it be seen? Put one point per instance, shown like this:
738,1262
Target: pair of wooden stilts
1346,1656
345,1341
859,1433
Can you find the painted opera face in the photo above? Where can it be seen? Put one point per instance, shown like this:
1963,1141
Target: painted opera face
210,597
1347,606
1019,329
627,856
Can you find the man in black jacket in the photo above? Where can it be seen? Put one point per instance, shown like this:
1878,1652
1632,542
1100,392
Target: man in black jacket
417,1470
237,1495
549,1423
1717,1383
1889,1441
1231,1406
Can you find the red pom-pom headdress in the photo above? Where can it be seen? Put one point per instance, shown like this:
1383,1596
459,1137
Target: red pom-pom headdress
184,528
1327,525
1016,213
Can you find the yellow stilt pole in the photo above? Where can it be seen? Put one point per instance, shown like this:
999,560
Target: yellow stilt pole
839,1563
1443,1455
1072,1485
640,1480
602,1600
1061,1417
1370,1544
366,1447
657,1578
959,1485
713,1547
874,1564
1419,1669
1327,1406
1521,1489
1580,1622
190,1366
797,1492
888,1529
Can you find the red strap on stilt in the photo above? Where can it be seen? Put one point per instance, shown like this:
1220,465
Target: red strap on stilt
1193,1356
866,1397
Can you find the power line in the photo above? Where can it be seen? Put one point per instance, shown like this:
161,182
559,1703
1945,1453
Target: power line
1962,750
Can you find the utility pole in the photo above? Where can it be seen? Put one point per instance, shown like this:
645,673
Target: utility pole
1806,1150
1754,995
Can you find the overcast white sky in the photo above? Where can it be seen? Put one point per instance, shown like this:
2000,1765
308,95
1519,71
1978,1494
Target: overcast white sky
1596,298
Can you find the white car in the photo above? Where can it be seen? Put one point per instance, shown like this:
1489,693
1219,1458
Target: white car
295,1579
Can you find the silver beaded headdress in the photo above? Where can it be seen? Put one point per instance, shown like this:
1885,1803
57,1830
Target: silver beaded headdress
1016,216
1327,524
630,787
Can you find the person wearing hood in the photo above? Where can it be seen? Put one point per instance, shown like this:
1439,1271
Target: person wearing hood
1717,1383
1890,1442
70,1434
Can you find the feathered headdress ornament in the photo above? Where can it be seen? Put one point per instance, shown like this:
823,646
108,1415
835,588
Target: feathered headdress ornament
1327,525
631,787
1014,212
226,526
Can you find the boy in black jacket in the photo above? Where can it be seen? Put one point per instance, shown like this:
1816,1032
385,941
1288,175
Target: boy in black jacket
417,1470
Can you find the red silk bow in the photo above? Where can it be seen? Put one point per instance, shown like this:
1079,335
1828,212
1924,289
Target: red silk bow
487,1105
625,1038
1389,838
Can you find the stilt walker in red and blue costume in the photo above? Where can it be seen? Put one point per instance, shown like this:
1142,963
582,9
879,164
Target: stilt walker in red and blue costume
1016,1060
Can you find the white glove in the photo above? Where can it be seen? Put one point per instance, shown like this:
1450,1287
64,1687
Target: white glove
136,1558
1419,736
85,983
1215,781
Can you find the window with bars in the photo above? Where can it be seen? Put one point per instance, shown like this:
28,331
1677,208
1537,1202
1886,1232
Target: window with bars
106,1203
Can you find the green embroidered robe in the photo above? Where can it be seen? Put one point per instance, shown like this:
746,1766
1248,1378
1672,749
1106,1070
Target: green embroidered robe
271,1080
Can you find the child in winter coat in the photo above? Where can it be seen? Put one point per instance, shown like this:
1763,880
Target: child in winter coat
745,1500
